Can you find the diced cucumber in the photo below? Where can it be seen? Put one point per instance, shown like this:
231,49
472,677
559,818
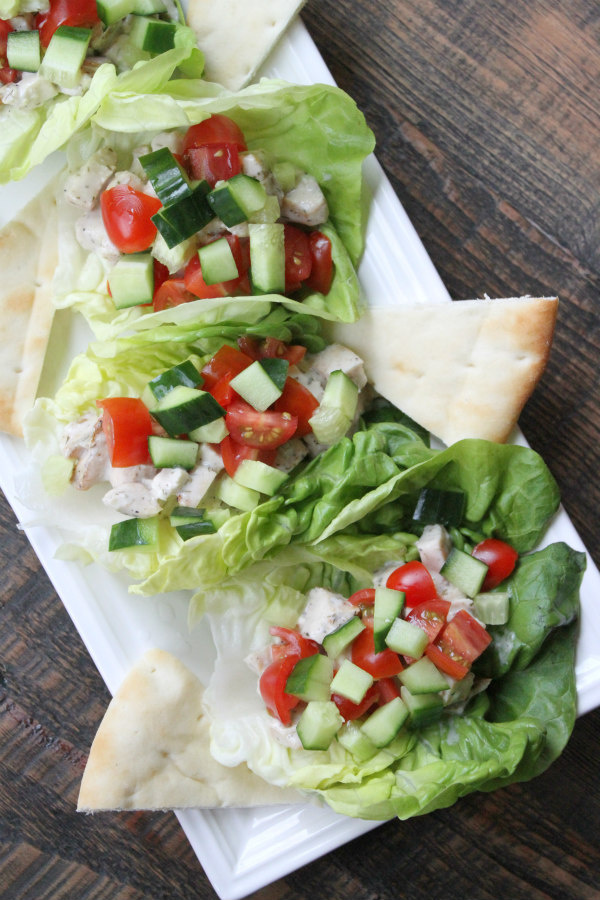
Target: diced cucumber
184,409
255,384
492,607
267,258
387,606
172,453
464,571
422,708
184,373
355,741
23,50
184,515
270,212
211,433
333,417
237,199
422,677
218,516
217,262
439,507
277,370
319,724
176,257
310,679
141,533
65,54
131,280
351,681
166,176
336,641
406,638
384,723
184,217
190,522
236,495
148,7
259,476
110,11
152,35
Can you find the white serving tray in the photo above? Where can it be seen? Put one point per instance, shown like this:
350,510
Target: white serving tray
244,850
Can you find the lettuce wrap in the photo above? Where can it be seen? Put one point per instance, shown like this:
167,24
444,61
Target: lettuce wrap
317,129
34,127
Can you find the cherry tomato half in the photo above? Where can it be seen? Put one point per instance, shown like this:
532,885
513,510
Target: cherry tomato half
298,401
416,582
349,710
217,129
293,642
499,557
380,665
430,616
171,292
78,13
233,453
215,163
272,687
263,430
321,273
127,425
226,361
298,260
127,216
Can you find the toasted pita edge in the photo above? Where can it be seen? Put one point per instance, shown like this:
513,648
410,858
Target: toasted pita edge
28,260
234,53
463,369
152,749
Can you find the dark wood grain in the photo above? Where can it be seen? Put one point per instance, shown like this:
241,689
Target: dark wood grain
487,117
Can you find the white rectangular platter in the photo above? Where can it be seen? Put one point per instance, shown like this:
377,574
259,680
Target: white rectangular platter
244,850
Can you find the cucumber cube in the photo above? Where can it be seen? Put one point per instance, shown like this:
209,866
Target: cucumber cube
184,373
211,433
172,453
259,476
140,533
152,35
23,50
255,385
310,679
217,262
65,55
351,682
236,495
110,11
384,723
423,677
185,408
267,258
387,607
492,607
336,641
355,741
422,708
464,571
318,724
333,417
131,280
406,638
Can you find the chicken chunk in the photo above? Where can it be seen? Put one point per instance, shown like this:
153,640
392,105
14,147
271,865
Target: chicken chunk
305,203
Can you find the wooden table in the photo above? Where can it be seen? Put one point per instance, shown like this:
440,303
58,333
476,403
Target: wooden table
487,117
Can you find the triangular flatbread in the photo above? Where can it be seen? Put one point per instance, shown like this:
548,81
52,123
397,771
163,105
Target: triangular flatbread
462,369
151,750
28,259
236,36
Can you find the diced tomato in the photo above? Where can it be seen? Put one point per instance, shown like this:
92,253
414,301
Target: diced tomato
217,129
272,687
293,642
196,284
232,454
298,260
126,214
349,710
430,616
271,348
446,663
127,425
171,292
161,274
364,597
215,163
380,665
321,273
499,557
7,75
416,582
79,13
463,638
388,690
226,361
263,430
222,391
299,402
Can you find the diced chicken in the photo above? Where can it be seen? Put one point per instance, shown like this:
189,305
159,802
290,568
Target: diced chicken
31,91
434,545
305,203
258,660
135,499
380,576
313,446
132,180
452,594
214,228
336,356
121,475
312,381
211,458
290,454
171,139
168,482
255,164
84,442
200,477
91,235
82,188
324,612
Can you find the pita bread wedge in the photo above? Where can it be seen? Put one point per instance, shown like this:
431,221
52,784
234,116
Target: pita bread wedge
236,36
461,370
28,258
151,750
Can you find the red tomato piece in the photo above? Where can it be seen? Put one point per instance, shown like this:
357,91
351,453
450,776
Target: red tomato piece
321,273
272,687
271,348
226,361
127,216
127,425
217,162
298,260
380,665
263,430
232,454
299,402
217,129
430,616
416,582
388,689
222,391
79,13
196,284
364,597
349,710
463,638
499,557
171,292
293,642
7,75
446,663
